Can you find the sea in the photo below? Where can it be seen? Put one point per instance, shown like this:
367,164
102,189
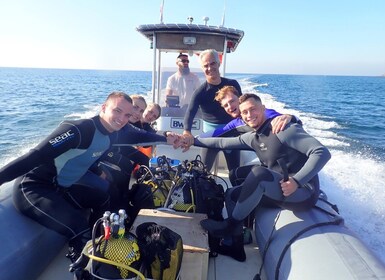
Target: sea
346,113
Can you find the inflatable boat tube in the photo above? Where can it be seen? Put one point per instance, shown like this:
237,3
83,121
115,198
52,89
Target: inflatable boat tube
26,246
313,244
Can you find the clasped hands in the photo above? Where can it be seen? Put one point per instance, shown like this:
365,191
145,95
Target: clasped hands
183,141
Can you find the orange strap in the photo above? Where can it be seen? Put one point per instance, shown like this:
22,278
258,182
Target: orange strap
147,151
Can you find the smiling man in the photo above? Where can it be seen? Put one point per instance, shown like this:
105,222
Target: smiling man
54,183
291,149
228,98
183,83
213,115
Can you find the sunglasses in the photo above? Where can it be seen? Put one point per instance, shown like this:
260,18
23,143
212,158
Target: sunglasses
185,60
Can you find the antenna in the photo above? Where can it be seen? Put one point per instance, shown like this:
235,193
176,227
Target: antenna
161,11
223,16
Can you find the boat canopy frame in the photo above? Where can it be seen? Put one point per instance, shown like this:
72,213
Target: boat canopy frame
187,38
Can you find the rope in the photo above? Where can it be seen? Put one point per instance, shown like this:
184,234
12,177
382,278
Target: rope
287,246
267,245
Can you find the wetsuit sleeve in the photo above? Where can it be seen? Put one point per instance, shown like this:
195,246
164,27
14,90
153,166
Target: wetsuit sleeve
318,155
234,143
150,129
295,119
237,86
271,113
234,128
63,138
131,135
192,109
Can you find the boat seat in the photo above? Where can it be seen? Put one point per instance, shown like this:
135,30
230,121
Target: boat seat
26,246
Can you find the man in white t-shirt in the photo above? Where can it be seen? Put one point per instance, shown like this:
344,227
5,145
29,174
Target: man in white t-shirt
183,83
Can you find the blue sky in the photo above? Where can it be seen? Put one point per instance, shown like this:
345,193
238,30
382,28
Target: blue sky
329,37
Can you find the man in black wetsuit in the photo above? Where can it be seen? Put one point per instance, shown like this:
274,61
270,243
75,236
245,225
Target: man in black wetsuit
123,159
228,98
213,114
142,118
291,149
54,182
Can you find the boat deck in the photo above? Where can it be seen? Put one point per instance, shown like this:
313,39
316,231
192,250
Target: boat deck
220,268
224,267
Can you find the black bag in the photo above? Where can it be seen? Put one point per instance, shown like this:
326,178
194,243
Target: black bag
161,250
209,197
150,191
140,198
197,191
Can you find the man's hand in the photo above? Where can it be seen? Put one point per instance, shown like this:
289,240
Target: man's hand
103,175
185,140
174,139
289,186
188,138
278,123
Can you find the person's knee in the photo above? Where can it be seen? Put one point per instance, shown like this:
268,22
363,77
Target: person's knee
253,183
261,173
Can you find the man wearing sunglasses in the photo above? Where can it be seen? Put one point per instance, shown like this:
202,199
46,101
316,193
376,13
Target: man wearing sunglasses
182,83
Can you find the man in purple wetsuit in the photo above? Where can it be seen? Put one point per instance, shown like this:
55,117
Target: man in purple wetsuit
228,97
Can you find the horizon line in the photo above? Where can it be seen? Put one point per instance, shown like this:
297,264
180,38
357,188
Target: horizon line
245,73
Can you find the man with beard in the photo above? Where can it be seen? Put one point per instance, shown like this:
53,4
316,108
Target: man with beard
182,83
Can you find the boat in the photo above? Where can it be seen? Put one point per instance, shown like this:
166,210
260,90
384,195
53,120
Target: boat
312,244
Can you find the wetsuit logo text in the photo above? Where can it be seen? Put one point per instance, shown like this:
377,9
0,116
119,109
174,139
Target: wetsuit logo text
262,147
61,138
